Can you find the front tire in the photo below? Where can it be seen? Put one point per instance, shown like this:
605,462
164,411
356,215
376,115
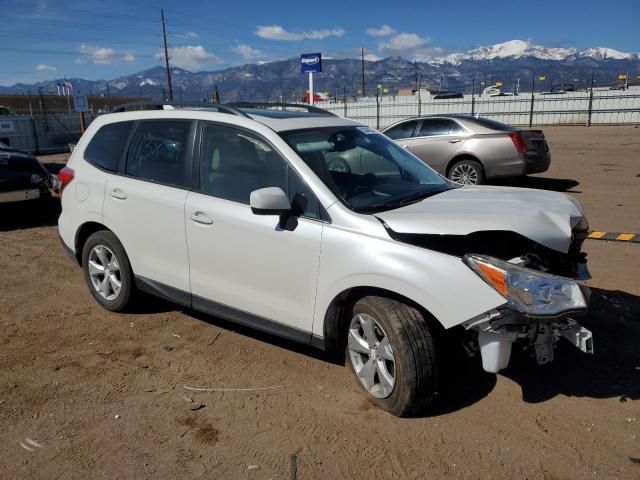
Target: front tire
107,271
390,350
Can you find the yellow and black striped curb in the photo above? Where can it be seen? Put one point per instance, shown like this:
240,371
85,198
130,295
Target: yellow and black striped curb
614,236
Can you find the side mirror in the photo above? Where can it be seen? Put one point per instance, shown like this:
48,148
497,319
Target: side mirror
269,201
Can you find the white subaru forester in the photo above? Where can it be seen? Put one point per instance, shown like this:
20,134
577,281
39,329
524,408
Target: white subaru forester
236,211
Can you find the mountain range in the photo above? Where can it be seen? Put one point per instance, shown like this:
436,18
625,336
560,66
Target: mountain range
508,62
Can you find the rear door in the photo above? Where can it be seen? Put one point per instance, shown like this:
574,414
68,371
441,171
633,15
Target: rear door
436,141
252,268
144,204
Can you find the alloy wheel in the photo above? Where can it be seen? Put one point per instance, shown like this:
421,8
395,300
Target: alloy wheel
371,355
104,272
464,174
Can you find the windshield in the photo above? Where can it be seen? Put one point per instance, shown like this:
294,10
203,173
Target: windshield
4,146
363,168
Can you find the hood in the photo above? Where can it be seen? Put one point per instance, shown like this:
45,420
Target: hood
542,216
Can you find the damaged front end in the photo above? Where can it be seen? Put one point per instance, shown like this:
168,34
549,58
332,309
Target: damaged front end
540,285
539,311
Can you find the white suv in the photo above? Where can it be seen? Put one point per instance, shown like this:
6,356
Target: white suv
236,212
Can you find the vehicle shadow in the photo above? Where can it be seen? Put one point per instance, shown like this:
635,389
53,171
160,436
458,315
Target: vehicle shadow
283,343
37,213
612,371
540,183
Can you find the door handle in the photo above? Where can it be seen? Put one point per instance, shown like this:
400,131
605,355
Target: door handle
404,146
119,194
201,217
455,140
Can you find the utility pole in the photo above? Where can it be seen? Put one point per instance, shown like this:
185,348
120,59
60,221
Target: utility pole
363,93
533,88
590,106
473,95
415,67
166,54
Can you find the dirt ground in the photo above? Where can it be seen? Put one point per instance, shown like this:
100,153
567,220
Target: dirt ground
85,393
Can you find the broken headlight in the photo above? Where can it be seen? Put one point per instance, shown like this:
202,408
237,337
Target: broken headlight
528,291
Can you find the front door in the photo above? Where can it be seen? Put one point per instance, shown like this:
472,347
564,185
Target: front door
245,266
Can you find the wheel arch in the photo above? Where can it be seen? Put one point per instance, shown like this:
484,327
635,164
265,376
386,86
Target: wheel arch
83,233
463,156
336,315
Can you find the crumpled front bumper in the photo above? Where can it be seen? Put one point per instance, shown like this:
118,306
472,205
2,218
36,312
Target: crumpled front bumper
498,330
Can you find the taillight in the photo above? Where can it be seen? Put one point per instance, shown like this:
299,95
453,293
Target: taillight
518,142
65,175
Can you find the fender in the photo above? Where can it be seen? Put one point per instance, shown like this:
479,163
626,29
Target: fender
441,284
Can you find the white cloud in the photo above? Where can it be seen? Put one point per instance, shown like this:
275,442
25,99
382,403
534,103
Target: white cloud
79,61
404,41
190,57
247,52
187,35
409,45
276,32
371,57
99,55
129,57
45,68
383,31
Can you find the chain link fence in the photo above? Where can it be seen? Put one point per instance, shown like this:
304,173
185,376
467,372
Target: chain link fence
572,108
42,133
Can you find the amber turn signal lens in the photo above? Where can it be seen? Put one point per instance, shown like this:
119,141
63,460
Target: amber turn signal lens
495,276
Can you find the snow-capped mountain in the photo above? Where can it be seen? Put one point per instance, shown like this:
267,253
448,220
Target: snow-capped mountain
600,53
523,48
507,62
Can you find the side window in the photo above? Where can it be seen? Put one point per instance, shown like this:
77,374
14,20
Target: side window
234,163
107,145
439,126
404,130
158,152
303,201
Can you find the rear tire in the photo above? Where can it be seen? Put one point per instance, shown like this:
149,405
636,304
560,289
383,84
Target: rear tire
407,384
466,172
107,270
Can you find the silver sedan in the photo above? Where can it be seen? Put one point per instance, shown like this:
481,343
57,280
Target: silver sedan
470,150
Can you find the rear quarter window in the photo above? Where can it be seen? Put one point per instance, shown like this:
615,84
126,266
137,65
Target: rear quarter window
107,145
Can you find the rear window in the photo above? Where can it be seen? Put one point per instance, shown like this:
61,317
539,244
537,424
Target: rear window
494,125
107,146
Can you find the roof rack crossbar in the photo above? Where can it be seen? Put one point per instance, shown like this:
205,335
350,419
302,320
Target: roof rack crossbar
160,106
308,108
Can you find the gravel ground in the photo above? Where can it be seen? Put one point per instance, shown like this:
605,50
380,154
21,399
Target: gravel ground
85,393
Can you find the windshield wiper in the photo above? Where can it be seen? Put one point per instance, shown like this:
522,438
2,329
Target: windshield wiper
422,195
390,205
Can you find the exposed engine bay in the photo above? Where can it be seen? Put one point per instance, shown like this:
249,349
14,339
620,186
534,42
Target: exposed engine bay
494,333
508,246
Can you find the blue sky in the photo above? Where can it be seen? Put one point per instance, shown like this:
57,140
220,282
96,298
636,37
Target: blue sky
44,39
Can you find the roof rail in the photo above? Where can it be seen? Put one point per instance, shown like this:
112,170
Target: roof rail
173,105
283,106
